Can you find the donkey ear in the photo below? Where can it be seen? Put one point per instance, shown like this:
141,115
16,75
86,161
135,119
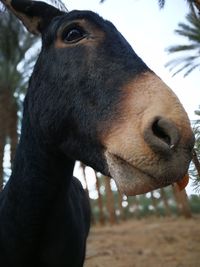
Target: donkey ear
35,15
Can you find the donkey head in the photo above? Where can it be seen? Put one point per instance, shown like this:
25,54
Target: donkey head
94,99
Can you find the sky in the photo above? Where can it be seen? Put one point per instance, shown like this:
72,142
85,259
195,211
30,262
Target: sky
150,31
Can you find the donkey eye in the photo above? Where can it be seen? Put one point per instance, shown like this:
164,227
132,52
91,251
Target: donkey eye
73,35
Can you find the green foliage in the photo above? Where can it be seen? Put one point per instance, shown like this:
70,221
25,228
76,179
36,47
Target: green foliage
195,203
191,61
193,170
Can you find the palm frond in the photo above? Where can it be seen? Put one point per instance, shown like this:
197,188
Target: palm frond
181,48
188,63
190,30
196,156
161,3
185,64
187,68
190,69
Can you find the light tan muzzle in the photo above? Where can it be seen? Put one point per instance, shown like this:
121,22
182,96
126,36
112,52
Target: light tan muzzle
150,144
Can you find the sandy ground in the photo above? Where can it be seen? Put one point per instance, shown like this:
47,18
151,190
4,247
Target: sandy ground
152,242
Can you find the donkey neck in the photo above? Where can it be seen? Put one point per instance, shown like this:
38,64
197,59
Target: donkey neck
37,161
40,177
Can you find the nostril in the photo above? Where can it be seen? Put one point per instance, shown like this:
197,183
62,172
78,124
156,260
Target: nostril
162,135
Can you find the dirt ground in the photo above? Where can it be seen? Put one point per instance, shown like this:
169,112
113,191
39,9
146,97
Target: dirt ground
152,242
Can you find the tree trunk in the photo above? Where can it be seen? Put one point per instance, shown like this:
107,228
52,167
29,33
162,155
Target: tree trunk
154,203
177,199
182,201
165,201
185,204
110,201
121,209
196,162
100,201
137,207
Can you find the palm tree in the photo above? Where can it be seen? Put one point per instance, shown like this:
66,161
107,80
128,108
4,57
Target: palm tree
14,42
195,166
191,61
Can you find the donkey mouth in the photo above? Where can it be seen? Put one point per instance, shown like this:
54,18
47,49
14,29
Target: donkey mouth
131,180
